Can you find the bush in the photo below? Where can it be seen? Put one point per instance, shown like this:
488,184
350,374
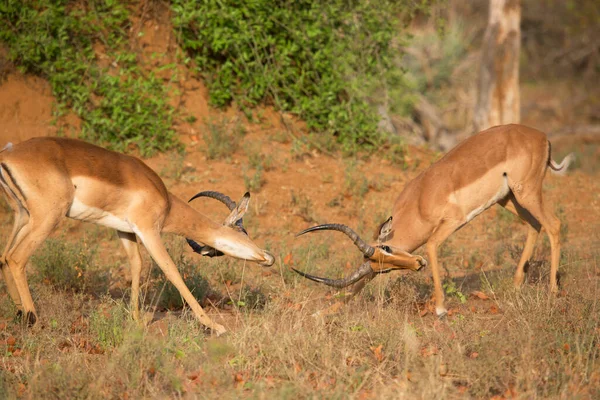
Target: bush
119,105
319,60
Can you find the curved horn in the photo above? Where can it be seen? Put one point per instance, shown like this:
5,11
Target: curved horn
367,250
223,198
360,273
203,250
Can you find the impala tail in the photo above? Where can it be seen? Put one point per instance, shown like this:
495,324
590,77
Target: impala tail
559,169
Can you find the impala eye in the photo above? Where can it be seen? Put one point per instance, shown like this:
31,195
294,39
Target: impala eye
386,249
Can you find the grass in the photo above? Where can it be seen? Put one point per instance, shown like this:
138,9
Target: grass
527,343
387,343
222,138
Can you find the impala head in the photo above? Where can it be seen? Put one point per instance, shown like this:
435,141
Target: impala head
233,238
378,257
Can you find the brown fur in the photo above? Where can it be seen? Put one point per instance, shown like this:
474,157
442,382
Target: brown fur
45,179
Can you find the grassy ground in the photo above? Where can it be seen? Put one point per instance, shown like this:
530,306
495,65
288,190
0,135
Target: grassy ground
495,343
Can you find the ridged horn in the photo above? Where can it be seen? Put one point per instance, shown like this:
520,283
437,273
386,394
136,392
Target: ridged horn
223,198
231,205
367,250
364,270
203,250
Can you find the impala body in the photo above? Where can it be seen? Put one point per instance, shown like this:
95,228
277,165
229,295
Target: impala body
45,179
502,165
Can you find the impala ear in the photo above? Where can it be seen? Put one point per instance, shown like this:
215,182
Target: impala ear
238,212
385,230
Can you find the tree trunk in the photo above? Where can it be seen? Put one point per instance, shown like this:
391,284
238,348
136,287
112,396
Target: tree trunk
498,99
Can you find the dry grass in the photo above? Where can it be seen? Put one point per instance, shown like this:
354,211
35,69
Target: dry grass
386,344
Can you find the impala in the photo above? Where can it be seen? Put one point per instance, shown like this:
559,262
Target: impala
503,165
46,179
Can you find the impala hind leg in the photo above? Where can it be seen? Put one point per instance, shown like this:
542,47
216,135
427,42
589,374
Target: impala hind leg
533,203
129,242
156,248
30,238
533,230
20,221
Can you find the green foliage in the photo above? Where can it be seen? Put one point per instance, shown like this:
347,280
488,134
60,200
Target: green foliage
433,58
119,104
108,325
319,60
452,291
66,266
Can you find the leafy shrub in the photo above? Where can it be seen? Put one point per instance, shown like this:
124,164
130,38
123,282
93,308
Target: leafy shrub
119,105
314,59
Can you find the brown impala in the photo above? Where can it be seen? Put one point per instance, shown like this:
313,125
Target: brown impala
504,165
46,179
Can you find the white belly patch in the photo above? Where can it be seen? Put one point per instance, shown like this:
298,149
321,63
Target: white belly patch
497,197
83,212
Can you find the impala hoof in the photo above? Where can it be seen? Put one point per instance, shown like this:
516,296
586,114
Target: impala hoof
441,312
422,263
30,319
218,330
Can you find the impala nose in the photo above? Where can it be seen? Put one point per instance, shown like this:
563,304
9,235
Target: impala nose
269,259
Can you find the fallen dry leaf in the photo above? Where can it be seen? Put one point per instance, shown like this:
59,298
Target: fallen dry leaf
480,295
287,260
443,369
21,389
510,393
378,352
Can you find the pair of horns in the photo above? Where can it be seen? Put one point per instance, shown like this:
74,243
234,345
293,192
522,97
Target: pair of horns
364,270
231,205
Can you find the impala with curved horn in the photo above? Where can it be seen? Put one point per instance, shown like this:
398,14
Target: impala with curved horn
503,165
229,221
45,179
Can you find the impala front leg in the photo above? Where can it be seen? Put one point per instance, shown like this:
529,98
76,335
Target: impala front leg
440,309
441,234
155,247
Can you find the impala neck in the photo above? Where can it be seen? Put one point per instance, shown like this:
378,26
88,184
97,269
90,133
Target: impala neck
183,220
411,228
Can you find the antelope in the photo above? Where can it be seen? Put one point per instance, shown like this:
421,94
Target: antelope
46,179
502,165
